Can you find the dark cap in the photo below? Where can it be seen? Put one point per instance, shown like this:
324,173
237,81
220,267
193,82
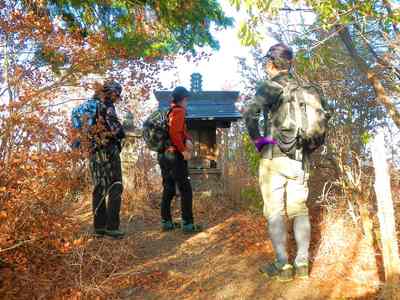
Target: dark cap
281,55
179,93
112,86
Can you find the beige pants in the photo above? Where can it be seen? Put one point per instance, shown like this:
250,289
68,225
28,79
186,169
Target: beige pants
280,176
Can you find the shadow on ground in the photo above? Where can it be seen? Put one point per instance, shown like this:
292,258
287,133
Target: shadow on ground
222,262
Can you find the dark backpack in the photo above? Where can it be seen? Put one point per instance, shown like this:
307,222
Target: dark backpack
156,131
299,119
84,117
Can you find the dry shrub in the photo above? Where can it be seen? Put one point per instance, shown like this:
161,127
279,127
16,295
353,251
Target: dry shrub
141,176
37,180
239,163
38,174
45,68
389,292
342,250
241,189
341,247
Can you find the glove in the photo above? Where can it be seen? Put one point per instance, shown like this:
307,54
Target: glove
189,145
186,155
262,141
315,143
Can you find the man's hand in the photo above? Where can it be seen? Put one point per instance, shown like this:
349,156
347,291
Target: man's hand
187,155
189,149
189,145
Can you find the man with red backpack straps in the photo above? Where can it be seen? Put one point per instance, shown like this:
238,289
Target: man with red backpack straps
174,166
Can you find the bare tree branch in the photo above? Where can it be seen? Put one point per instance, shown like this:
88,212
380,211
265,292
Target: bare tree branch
297,9
17,245
379,89
379,59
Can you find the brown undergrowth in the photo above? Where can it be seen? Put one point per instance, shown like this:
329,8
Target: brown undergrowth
220,263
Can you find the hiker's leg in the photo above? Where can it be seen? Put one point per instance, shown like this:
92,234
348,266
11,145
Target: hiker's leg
166,161
99,208
115,191
181,176
297,194
302,233
167,196
278,233
99,193
273,191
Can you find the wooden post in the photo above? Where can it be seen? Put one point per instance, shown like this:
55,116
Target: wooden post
386,215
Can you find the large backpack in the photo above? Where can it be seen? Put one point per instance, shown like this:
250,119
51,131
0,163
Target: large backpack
155,131
299,119
84,117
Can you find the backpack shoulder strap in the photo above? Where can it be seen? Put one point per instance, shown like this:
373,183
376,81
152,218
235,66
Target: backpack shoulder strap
170,110
290,88
168,114
101,110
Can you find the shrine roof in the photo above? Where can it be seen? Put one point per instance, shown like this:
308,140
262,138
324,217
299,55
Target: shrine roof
206,105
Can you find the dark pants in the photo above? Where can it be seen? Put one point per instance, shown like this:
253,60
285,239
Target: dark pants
174,171
105,166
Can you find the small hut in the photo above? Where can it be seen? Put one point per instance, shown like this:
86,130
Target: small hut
207,111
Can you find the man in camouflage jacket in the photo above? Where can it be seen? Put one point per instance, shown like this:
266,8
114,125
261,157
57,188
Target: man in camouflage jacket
105,163
280,173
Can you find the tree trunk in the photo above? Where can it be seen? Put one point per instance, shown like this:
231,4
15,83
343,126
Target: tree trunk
379,89
386,215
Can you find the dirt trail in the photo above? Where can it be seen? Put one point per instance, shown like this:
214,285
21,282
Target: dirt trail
220,263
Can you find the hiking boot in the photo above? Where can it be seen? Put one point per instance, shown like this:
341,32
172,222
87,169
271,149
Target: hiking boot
169,225
99,232
116,233
191,228
281,271
302,270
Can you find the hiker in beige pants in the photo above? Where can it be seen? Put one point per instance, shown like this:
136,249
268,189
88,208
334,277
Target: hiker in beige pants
280,177
285,158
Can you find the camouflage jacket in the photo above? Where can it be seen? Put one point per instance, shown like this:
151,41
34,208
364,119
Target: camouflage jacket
114,131
267,96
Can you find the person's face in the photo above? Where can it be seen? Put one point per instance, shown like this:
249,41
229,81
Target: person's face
271,69
184,102
115,97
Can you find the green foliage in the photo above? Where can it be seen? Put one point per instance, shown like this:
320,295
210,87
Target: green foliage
247,36
252,197
323,59
252,156
366,137
330,14
248,33
345,12
261,6
144,28
311,62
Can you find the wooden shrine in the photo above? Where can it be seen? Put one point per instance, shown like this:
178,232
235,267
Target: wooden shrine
207,111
